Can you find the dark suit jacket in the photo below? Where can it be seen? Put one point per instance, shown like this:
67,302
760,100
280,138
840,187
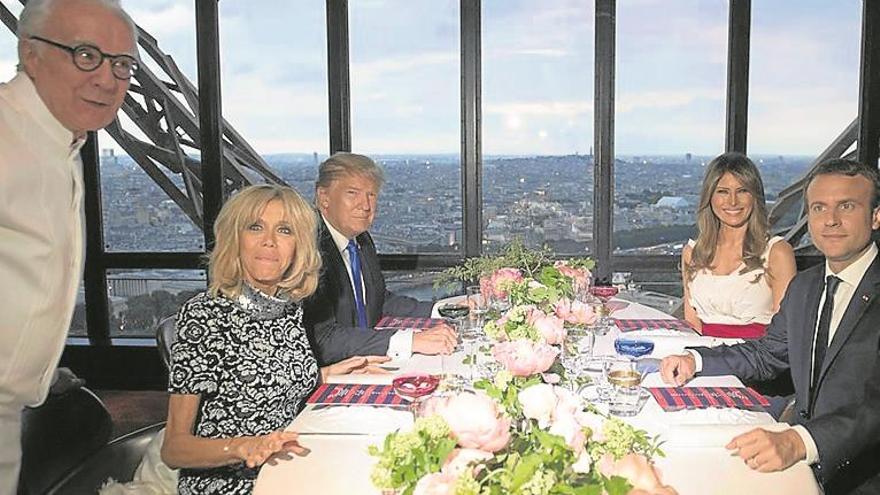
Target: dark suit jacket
330,315
844,421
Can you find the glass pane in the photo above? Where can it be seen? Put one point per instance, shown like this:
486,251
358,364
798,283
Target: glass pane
538,124
139,299
669,122
405,114
78,322
8,43
804,86
137,214
275,84
418,284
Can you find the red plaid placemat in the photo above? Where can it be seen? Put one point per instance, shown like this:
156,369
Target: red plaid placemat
355,393
651,324
678,398
398,322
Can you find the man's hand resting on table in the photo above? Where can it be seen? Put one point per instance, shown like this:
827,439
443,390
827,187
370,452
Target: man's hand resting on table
678,369
440,339
768,451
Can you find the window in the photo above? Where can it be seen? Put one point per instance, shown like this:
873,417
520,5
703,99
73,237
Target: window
139,299
671,68
405,114
804,86
9,43
275,84
538,124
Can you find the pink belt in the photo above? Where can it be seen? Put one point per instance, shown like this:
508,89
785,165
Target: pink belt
750,331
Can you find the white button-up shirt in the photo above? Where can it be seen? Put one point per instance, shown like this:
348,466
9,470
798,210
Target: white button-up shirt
41,241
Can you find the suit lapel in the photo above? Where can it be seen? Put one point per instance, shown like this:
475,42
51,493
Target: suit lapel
862,298
807,333
338,274
370,269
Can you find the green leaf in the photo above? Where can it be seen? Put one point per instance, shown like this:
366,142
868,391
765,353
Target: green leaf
617,485
525,469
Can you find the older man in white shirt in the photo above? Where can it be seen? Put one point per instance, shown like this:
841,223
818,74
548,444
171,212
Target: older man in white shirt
75,61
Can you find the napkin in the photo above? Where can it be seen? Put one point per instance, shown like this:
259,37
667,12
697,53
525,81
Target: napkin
398,322
677,398
353,420
355,393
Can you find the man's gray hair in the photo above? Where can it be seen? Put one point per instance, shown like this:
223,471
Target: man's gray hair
343,164
33,19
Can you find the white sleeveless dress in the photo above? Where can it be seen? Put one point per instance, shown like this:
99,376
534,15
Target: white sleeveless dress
733,299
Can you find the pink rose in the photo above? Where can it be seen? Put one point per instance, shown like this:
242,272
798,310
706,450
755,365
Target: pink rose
640,473
580,276
551,328
460,460
476,421
568,428
497,283
523,357
575,312
436,484
594,422
538,402
433,405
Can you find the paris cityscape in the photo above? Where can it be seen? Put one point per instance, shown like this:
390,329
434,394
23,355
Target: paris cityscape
543,200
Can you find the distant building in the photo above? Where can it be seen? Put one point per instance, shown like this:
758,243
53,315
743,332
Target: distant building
672,202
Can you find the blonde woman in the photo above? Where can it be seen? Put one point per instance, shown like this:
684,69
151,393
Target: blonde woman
734,275
242,365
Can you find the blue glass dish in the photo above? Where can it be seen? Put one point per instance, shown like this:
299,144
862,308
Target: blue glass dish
633,347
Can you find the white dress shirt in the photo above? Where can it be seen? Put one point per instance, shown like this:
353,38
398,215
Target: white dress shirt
400,345
850,277
41,241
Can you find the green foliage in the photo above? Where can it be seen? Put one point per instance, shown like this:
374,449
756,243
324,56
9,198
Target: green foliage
622,439
407,456
513,255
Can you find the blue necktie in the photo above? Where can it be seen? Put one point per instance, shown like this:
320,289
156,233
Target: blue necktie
354,260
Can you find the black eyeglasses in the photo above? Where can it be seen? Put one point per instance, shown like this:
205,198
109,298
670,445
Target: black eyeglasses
88,58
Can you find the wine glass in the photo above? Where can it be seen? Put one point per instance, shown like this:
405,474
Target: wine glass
415,388
478,304
455,313
603,294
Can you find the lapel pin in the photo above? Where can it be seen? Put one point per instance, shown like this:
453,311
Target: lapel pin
866,297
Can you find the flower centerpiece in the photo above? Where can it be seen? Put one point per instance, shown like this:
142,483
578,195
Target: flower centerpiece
516,436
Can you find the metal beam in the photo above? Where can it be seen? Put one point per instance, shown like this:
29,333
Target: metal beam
738,35
603,139
95,276
338,82
210,114
471,129
869,85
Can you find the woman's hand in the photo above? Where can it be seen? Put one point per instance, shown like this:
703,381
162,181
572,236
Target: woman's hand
355,365
254,451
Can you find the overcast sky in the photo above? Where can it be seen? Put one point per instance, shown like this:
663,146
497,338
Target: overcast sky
537,73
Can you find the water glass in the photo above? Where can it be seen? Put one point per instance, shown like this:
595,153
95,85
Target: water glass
625,381
479,305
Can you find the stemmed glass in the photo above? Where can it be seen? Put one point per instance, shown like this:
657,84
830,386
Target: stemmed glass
603,294
415,388
478,304
633,348
455,313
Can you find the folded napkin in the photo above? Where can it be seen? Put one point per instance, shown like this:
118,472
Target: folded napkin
677,398
351,420
356,393
628,324
398,322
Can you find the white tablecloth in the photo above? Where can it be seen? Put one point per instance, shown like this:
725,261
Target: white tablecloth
696,461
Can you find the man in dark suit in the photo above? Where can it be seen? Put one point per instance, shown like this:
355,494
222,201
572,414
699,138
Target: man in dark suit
827,332
351,295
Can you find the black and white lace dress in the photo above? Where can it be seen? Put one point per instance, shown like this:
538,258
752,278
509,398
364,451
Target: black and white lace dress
251,363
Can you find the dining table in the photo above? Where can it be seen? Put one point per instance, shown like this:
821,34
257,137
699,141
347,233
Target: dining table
695,459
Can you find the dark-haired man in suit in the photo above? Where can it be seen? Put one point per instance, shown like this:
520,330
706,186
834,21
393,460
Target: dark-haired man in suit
351,295
827,332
